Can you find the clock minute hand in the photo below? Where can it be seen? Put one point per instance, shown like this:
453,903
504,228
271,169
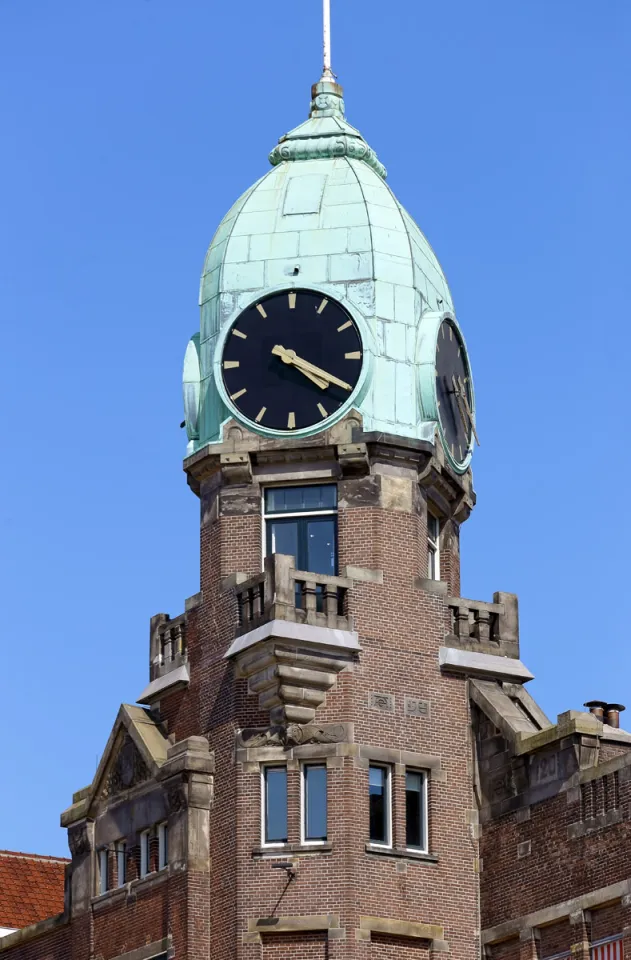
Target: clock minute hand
305,365
462,393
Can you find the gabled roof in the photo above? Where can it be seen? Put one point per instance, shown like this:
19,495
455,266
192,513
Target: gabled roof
135,751
31,888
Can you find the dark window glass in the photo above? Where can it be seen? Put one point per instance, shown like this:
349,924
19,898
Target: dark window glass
300,499
415,810
378,804
315,802
321,537
283,537
275,781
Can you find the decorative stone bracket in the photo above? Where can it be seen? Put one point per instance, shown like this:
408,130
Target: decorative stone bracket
292,666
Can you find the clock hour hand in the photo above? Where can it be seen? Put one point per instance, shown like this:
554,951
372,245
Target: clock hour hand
289,356
286,357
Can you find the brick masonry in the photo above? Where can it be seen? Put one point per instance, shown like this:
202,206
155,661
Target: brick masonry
512,831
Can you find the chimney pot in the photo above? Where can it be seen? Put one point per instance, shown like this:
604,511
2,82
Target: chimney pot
612,714
597,708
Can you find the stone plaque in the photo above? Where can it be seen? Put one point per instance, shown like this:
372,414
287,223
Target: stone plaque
381,701
415,707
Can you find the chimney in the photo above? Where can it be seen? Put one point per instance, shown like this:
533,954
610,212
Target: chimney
612,714
597,708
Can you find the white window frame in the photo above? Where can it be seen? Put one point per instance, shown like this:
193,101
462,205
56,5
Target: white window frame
300,513
145,853
163,845
303,804
387,845
104,879
425,803
121,863
264,768
433,546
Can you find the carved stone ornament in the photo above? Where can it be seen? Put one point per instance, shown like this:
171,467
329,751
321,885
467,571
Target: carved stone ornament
293,735
128,770
176,792
79,840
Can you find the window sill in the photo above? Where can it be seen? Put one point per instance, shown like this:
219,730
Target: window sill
112,896
295,849
401,853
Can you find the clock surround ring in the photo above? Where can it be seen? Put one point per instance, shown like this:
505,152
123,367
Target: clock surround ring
359,390
427,339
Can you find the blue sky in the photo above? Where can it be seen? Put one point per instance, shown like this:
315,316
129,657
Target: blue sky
129,128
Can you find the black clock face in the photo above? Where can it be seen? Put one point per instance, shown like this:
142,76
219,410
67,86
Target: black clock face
291,360
453,391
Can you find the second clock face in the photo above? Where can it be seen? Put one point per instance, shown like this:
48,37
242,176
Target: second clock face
291,360
453,391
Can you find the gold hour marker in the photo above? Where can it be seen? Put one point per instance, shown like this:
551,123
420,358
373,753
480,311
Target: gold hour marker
451,333
460,452
291,419
442,329
261,310
260,414
322,305
349,323
239,393
230,364
322,410
237,333
292,301
355,355
453,452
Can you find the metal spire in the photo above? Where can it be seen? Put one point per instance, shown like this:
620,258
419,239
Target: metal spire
327,73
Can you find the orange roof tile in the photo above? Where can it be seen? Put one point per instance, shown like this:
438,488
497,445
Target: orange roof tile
31,888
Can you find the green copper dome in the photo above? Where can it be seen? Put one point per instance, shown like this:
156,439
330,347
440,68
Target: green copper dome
323,217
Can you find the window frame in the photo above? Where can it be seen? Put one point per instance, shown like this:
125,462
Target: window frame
263,776
388,844
145,853
320,764
294,515
425,810
104,870
433,547
163,845
121,863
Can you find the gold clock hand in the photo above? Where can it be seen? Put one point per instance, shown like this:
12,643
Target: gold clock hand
304,365
288,356
463,394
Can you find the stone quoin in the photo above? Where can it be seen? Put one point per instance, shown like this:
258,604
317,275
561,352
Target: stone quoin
336,755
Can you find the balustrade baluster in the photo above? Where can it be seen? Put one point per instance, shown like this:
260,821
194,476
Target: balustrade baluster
481,624
310,594
462,625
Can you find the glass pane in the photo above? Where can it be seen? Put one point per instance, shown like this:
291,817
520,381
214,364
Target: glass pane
321,546
283,537
298,499
315,803
431,564
377,801
432,527
414,810
276,805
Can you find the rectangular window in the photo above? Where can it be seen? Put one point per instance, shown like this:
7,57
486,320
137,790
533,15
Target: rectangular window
433,547
104,880
314,800
302,522
416,810
144,853
609,949
121,863
163,845
274,790
380,804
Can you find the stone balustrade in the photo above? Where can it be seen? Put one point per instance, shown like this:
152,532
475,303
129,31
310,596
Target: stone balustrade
168,644
283,593
490,627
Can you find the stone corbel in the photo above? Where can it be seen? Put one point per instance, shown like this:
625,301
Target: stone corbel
81,843
236,467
